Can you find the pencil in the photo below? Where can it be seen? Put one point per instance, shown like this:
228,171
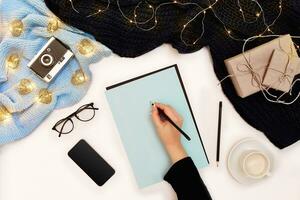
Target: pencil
219,133
163,115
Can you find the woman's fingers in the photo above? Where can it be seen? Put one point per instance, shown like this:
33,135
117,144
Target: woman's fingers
155,116
170,112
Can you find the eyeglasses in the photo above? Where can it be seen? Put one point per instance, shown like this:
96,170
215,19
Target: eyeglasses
66,125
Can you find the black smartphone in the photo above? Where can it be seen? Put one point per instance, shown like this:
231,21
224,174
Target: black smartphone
91,162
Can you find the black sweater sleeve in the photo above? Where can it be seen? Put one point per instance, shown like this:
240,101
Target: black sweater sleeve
186,181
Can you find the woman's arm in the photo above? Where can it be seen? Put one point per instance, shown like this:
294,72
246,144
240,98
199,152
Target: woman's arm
183,175
186,181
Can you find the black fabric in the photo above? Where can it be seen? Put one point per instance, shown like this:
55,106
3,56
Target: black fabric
280,123
118,34
186,181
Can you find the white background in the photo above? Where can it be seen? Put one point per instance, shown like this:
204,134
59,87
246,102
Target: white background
38,167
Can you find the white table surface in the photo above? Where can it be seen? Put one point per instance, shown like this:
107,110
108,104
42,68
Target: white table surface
38,167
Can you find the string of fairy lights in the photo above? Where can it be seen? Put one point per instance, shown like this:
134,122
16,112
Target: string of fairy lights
153,21
266,32
257,14
40,94
133,18
98,11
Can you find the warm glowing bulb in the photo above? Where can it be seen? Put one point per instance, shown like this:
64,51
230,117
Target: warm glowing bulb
210,7
184,26
130,21
229,31
4,114
175,1
13,61
150,6
25,87
53,25
204,11
86,47
257,14
78,77
16,28
44,96
241,10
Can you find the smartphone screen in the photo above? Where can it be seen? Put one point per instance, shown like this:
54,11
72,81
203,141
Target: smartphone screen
91,162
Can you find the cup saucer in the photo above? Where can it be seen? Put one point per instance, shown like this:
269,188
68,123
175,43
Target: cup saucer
233,162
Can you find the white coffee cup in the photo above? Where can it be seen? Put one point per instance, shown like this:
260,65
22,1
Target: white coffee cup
255,164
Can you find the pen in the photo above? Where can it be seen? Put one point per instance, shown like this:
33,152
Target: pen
163,115
219,133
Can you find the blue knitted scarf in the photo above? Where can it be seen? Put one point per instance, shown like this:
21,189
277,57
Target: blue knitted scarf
25,99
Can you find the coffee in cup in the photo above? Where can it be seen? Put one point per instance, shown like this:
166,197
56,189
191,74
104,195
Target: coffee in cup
255,164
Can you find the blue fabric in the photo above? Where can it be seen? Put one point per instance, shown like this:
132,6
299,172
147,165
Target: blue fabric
26,112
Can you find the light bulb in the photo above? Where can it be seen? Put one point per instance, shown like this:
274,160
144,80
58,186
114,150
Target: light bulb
53,25
4,114
86,47
13,61
25,87
44,96
78,77
16,28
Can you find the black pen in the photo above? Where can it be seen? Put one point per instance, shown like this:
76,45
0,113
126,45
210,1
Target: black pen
219,133
164,116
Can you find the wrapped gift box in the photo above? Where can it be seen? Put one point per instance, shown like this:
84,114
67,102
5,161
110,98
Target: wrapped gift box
259,58
281,71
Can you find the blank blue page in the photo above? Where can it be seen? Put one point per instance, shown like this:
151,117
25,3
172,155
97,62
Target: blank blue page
130,103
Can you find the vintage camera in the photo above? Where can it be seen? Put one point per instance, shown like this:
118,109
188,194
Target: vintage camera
50,59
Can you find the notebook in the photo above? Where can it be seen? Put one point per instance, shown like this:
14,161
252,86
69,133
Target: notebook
130,104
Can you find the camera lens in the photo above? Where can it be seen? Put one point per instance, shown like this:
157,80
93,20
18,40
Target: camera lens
46,60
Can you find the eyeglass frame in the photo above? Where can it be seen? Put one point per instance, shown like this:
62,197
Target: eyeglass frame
74,114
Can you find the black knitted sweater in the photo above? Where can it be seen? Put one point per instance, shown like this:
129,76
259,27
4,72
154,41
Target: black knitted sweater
280,123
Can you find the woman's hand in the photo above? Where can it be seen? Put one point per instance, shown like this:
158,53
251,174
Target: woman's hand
168,134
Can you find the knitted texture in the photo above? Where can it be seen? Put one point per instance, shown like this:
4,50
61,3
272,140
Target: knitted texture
117,33
280,123
27,110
